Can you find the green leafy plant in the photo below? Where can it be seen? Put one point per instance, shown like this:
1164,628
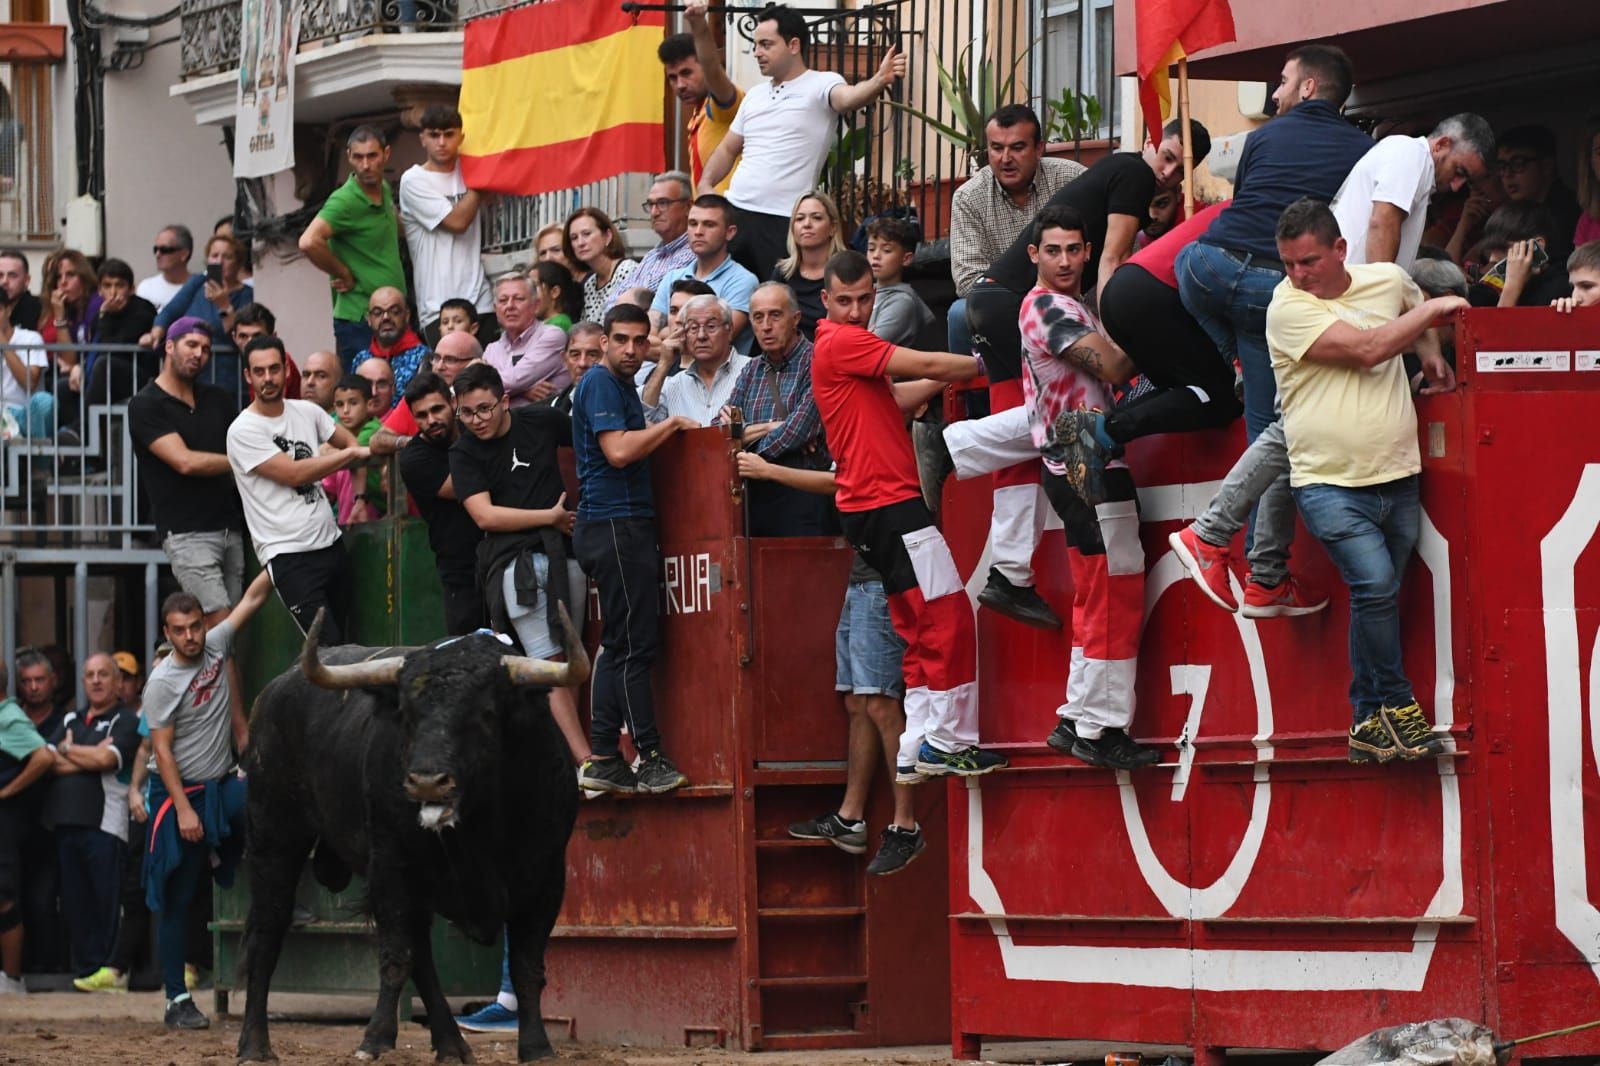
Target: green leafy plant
1073,116
972,95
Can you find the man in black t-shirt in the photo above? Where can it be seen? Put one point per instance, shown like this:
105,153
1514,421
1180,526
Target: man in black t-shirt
1113,199
179,427
504,471
453,535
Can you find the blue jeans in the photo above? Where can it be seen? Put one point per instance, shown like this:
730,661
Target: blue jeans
868,654
960,334
1229,298
1369,533
38,419
350,339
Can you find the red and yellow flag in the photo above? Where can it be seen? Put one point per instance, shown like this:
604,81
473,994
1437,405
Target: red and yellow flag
1166,31
557,94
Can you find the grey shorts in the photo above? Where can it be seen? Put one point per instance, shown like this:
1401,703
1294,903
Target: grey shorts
209,566
531,621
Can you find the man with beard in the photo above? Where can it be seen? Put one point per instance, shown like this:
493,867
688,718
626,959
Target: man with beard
425,468
696,75
274,450
393,343
179,427
456,351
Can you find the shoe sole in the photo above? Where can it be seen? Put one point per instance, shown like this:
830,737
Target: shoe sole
1191,566
1000,607
681,782
1248,611
1433,747
915,777
921,847
1094,758
591,784
1360,755
937,770
1087,478
1058,744
464,1027
103,991
853,849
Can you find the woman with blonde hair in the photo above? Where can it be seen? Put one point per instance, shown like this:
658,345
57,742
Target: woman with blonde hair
549,247
815,234
591,241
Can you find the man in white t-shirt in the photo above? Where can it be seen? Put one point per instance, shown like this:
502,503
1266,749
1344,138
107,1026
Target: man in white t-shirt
275,450
31,412
440,215
782,135
173,249
1382,207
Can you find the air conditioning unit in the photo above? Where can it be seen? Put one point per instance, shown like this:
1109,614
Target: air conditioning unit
84,226
1223,159
1255,100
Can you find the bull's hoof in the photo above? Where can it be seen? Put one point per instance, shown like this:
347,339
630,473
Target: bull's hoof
257,1053
464,1055
371,1052
537,1054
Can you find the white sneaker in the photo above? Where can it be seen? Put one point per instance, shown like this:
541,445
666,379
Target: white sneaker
12,986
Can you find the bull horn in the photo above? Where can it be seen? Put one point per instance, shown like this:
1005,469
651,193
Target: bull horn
525,670
354,675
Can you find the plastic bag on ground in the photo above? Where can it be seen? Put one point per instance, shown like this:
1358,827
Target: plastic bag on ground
1441,1042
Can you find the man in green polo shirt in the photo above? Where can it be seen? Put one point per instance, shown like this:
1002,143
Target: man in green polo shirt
355,240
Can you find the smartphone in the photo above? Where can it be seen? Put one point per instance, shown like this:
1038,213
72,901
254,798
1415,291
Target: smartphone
214,273
1495,276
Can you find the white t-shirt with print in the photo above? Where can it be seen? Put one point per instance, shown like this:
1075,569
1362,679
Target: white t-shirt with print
14,393
281,518
1398,171
444,265
787,131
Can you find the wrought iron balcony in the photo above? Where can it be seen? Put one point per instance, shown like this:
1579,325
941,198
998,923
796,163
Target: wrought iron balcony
211,27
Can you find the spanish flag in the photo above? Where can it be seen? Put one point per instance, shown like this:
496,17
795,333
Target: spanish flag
1167,31
561,93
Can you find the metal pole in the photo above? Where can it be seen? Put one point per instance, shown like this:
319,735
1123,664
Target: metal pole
152,623
10,611
80,620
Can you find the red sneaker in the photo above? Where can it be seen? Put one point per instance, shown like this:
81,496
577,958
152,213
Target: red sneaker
1280,601
1207,564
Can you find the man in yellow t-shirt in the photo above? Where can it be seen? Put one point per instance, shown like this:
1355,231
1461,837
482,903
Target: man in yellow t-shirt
1335,334
696,75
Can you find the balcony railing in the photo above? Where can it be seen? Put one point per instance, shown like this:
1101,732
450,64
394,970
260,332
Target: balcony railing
210,32
513,221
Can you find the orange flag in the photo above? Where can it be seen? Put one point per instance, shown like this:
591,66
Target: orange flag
1166,31
558,94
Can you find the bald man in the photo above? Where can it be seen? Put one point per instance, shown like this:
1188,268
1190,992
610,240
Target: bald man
393,341
88,805
320,374
381,374
455,351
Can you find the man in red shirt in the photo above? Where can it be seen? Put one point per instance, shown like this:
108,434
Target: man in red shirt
884,517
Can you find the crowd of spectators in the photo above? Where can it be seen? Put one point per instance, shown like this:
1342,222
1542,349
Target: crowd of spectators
1096,312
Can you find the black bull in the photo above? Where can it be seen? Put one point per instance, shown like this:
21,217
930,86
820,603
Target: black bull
439,777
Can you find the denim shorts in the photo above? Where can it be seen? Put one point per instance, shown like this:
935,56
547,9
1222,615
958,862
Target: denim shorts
867,651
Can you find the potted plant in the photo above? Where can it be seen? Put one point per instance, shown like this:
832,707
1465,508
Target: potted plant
1074,118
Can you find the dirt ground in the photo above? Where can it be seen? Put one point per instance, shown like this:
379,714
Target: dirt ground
72,1029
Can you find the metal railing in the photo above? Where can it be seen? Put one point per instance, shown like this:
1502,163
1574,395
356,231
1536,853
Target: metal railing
512,222
210,29
27,160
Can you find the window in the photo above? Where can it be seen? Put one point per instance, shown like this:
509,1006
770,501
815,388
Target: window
1078,55
26,183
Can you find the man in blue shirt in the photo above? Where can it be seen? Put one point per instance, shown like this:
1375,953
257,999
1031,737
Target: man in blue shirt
615,542
1226,279
711,227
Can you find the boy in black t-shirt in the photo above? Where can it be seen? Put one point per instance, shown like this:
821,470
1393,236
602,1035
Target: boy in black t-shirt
503,469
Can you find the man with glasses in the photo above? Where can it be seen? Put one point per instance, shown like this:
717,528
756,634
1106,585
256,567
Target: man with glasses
700,393
528,351
443,231
355,240
1526,163
668,210
393,341
711,229
173,249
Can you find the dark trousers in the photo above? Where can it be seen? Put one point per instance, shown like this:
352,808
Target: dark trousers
42,947
183,882
463,608
760,242
91,880
1193,382
311,581
621,557
134,929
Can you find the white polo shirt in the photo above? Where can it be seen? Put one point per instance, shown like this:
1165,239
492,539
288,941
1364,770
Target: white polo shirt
787,131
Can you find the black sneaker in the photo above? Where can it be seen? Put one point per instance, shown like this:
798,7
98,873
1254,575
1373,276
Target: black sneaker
1020,602
607,775
1370,742
658,775
183,1014
1413,734
846,836
1063,736
899,849
1076,445
934,464
1116,750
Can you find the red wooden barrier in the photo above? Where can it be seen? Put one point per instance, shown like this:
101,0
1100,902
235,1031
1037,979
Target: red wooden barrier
695,918
1255,890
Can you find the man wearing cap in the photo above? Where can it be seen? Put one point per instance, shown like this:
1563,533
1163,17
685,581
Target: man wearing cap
179,427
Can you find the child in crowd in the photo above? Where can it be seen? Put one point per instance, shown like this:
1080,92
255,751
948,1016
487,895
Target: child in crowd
359,496
1583,270
556,297
898,314
457,316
